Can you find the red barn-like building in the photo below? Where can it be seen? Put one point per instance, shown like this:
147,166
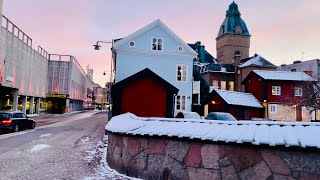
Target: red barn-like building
144,94
243,106
284,94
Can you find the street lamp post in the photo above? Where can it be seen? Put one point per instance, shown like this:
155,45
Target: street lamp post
97,47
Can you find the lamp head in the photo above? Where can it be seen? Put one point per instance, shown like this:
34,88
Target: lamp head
96,46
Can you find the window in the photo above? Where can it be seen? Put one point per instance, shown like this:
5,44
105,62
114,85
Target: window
231,86
180,48
273,108
182,73
276,90
215,83
181,102
157,44
297,91
237,53
223,85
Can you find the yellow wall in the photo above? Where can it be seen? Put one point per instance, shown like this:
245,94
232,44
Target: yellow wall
284,113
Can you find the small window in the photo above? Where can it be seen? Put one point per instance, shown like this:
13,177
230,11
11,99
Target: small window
231,86
297,91
132,43
276,90
223,85
237,53
157,44
273,108
182,73
180,48
293,70
181,102
215,83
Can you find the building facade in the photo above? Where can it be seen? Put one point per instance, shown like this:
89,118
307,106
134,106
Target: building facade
69,86
23,70
233,37
157,48
285,95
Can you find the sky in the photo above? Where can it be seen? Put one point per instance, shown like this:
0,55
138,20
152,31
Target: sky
281,31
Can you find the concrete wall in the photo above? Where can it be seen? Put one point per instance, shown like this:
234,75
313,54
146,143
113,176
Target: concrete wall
158,158
22,67
311,65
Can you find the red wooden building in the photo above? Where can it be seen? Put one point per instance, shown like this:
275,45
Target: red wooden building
243,106
284,94
144,94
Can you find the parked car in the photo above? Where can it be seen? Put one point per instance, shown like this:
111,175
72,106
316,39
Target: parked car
223,116
16,121
188,115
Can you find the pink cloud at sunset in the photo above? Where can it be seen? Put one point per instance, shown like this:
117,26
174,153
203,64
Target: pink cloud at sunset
281,30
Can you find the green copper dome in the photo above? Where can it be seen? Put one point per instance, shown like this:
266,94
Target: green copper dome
233,24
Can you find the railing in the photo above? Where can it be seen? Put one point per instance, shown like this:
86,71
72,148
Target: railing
18,33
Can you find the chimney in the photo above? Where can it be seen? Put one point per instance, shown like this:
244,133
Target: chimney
237,61
202,54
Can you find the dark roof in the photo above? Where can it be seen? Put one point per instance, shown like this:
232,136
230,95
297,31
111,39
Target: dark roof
256,61
143,74
203,55
232,21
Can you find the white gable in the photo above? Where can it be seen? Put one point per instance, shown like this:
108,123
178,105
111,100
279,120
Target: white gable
142,40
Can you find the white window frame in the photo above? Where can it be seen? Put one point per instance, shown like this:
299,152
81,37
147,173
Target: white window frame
273,108
276,90
176,103
186,74
157,39
298,91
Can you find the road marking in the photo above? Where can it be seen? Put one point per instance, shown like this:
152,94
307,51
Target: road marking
45,135
14,134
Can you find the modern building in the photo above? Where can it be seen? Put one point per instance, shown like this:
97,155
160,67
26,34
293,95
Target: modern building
159,49
69,86
285,95
23,70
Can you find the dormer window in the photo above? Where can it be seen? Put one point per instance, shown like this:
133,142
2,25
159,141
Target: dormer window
238,29
157,44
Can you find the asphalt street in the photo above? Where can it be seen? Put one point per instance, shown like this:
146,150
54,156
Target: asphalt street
55,149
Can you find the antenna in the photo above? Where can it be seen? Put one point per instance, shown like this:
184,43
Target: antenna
302,55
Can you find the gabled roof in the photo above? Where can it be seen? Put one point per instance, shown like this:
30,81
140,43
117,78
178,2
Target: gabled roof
270,133
160,24
238,98
282,75
142,74
208,58
257,61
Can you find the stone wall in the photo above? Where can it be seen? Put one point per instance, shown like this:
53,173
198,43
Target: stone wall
158,158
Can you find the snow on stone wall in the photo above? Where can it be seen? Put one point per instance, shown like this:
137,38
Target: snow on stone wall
173,158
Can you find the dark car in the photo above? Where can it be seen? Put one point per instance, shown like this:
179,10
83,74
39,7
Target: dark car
16,121
220,116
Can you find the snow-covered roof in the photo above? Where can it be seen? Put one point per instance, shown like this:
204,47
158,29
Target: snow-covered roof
257,60
284,75
288,134
238,98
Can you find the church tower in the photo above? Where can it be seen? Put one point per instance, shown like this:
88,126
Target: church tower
233,39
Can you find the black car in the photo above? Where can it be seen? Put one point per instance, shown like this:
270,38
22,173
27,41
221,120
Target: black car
220,116
16,121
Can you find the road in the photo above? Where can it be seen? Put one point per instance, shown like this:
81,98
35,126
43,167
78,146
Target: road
61,147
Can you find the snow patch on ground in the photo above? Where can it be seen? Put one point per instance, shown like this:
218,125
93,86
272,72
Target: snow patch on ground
85,140
39,147
103,171
45,135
